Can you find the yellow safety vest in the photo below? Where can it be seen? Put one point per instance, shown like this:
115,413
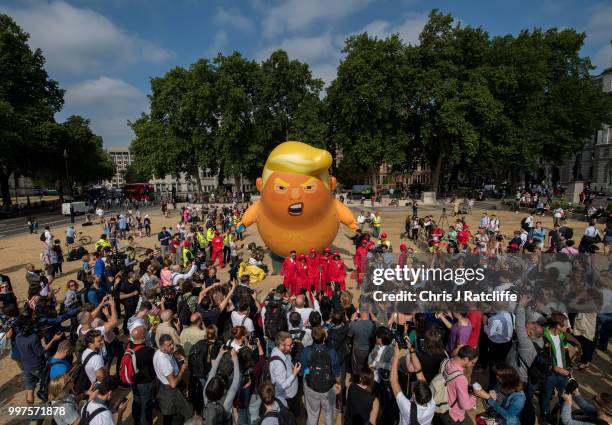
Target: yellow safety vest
376,221
202,241
101,244
210,234
186,259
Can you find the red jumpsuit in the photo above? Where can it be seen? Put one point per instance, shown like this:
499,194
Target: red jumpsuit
287,271
360,260
324,261
314,272
301,277
337,273
217,250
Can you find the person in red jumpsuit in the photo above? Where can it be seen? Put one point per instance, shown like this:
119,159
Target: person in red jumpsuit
301,275
463,237
403,257
337,273
314,271
360,260
324,264
217,249
287,270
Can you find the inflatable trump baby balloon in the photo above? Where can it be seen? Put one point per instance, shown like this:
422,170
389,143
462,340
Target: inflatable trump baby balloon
297,210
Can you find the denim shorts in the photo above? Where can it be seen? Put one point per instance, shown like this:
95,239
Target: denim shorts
31,378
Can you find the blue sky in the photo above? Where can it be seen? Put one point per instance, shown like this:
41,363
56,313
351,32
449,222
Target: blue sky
103,52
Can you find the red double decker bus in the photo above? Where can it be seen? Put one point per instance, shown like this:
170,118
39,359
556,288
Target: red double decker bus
139,191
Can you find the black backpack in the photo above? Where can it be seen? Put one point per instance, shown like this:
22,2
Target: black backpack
275,319
283,415
87,417
42,237
320,378
81,381
540,367
201,355
298,346
184,312
265,371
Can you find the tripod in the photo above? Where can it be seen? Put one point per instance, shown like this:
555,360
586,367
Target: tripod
443,220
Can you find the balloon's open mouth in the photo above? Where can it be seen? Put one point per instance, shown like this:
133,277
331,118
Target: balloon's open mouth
296,209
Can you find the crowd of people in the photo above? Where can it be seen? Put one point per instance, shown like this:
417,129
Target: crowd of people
194,349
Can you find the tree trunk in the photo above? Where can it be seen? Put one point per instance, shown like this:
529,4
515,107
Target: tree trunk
5,188
198,182
436,175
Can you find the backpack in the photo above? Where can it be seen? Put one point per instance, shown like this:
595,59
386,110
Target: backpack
128,367
439,390
540,367
43,237
43,385
320,377
215,414
283,415
569,233
200,358
298,346
87,417
275,319
81,381
265,371
184,312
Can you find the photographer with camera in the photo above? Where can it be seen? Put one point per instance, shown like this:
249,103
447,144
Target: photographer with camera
597,413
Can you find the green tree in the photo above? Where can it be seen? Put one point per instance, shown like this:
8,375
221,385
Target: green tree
179,134
367,104
238,83
289,105
72,144
28,99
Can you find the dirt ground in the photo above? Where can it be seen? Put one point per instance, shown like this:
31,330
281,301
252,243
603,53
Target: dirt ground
17,251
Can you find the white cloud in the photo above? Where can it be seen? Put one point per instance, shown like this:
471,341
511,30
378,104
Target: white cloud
599,34
233,18
76,40
297,15
109,103
408,29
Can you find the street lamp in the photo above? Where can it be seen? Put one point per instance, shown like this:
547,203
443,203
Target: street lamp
67,174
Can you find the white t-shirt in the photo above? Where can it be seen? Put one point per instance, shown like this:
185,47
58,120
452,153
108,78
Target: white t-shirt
164,364
238,318
425,414
95,362
102,418
558,353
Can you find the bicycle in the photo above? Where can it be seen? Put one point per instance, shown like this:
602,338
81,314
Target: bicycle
80,240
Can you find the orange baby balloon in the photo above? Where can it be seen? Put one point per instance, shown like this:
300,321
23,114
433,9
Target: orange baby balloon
297,209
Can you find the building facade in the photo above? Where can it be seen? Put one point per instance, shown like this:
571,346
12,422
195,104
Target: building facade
210,182
593,164
122,158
